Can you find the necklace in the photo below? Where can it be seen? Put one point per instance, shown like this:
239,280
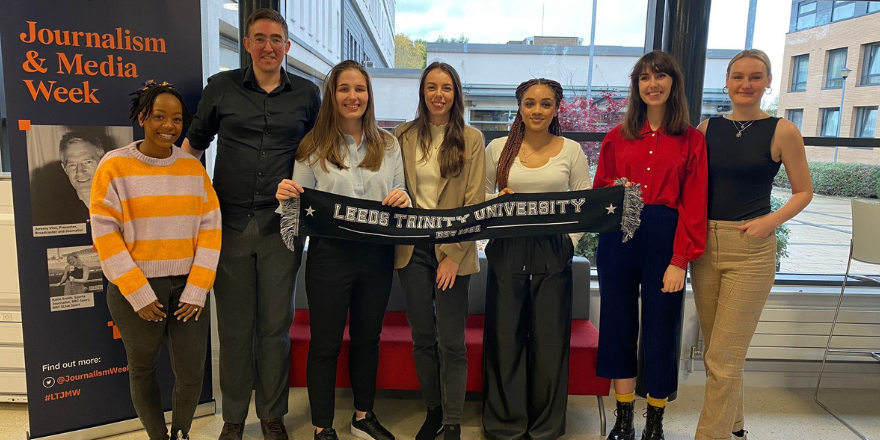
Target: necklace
524,159
741,126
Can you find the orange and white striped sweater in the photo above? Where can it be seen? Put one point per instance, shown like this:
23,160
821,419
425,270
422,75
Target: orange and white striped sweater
155,218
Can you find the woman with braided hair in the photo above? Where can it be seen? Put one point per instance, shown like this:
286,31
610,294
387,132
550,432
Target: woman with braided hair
529,283
156,227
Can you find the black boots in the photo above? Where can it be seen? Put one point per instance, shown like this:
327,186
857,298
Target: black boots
653,424
623,427
433,425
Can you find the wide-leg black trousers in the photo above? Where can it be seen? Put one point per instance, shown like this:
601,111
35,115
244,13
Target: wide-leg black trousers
527,337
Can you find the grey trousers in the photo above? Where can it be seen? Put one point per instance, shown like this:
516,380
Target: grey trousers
437,318
256,277
187,347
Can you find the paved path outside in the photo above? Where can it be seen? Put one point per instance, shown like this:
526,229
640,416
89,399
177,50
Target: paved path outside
820,236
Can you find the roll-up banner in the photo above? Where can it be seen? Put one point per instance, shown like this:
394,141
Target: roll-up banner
68,68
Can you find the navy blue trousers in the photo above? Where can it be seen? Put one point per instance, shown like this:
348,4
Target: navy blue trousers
628,271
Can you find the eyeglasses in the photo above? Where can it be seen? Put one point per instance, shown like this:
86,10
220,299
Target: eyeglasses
261,41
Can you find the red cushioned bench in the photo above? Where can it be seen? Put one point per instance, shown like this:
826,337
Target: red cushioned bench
397,371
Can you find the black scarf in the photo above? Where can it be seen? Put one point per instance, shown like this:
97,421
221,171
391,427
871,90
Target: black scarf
321,214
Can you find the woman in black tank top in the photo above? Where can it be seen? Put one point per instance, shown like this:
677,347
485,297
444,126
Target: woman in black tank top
733,278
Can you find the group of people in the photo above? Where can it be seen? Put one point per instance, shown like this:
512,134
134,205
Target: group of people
162,240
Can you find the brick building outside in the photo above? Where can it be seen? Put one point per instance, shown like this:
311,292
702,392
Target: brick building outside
825,36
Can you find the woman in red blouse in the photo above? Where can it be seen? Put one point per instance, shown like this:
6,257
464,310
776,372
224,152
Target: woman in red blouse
656,149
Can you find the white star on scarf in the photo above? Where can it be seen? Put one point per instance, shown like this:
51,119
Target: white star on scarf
611,209
310,211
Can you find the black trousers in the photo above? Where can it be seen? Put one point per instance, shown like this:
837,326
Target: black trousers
437,318
345,279
527,337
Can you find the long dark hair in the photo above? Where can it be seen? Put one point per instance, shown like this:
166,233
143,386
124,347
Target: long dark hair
675,119
517,130
451,154
324,139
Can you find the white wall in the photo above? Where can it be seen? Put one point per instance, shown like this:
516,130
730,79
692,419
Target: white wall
316,28
396,98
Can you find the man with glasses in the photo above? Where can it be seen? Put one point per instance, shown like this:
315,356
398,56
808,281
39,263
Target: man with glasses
260,113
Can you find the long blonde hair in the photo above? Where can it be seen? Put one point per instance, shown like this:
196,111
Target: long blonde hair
322,143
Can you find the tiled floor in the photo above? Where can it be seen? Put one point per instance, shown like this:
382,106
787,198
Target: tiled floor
771,413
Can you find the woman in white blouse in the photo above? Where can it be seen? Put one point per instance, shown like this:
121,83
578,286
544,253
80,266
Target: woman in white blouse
529,283
347,154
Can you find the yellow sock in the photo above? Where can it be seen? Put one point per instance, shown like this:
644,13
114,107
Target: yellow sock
657,403
625,398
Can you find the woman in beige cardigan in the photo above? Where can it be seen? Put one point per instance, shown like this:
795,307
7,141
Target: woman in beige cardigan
444,160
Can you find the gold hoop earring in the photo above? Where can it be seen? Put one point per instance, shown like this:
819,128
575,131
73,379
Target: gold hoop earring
768,91
724,90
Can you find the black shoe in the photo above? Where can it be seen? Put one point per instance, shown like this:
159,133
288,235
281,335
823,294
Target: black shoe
623,427
231,431
326,434
369,428
433,425
653,424
742,434
179,435
452,432
273,429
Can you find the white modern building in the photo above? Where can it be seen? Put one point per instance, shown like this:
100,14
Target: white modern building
491,72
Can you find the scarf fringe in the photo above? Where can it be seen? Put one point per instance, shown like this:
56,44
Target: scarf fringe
632,208
290,222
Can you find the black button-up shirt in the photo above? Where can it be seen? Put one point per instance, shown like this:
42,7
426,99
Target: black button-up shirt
258,134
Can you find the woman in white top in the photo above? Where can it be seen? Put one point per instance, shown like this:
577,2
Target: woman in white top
529,284
347,154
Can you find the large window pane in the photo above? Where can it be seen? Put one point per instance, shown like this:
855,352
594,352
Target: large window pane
843,10
830,120
866,122
806,15
836,61
799,75
871,66
796,116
